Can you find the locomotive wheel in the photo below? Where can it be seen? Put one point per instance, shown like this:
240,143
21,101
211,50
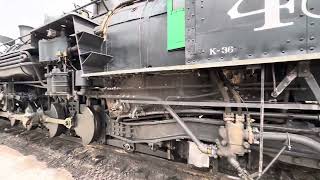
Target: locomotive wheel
87,125
56,111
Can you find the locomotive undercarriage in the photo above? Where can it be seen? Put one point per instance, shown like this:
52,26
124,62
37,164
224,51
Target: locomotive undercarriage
117,82
218,110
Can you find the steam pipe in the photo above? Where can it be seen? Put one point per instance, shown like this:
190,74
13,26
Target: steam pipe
315,145
202,147
234,93
241,171
215,80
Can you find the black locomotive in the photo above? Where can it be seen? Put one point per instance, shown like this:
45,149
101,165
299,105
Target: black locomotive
194,80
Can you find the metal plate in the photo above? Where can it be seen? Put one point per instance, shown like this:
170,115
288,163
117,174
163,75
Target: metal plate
141,43
211,30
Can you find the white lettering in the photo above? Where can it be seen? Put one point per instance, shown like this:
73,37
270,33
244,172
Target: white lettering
305,10
212,51
272,16
222,50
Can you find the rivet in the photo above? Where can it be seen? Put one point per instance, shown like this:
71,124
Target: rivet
312,23
312,38
283,52
311,48
301,49
301,39
265,53
288,41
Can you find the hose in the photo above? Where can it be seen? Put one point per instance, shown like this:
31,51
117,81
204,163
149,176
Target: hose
315,145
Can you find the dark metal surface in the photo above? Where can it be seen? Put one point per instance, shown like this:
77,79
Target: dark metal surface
137,38
210,27
17,64
157,131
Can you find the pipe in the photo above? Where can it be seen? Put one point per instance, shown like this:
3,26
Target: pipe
9,55
315,145
273,161
221,112
215,80
207,149
16,61
241,171
261,121
234,93
202,147
105,5
11,59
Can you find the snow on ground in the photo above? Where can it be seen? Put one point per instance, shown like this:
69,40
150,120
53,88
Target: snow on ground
14,165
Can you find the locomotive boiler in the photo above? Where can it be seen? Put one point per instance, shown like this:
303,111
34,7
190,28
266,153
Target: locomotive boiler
186,80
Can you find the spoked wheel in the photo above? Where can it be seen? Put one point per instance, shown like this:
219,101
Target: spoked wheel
56,111
87,125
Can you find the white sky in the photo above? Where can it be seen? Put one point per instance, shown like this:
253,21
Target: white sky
31,13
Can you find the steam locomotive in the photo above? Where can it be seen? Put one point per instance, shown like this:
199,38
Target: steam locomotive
191,80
